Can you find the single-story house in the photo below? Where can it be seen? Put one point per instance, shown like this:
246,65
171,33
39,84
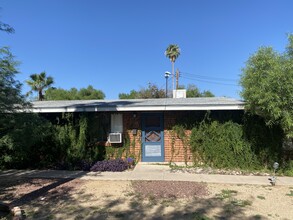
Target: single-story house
147,123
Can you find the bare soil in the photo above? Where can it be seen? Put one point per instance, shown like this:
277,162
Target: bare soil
89,199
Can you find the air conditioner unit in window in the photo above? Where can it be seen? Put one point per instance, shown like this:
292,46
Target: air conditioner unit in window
115,138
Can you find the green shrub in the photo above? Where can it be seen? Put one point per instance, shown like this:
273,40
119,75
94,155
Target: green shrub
265,141
221,145
31,141
28,143
288,168
179,131
72,138
113,152
250,145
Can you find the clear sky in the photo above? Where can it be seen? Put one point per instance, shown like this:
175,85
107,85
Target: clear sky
117,46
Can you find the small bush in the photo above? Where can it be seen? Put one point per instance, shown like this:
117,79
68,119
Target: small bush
114,152
117,165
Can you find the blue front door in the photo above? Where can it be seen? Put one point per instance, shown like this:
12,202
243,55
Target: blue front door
153,137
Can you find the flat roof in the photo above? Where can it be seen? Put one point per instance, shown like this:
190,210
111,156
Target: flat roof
165,104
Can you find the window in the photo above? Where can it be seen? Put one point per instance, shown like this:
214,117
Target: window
116,123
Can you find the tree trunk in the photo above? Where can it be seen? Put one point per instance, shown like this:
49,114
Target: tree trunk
172,76
40,95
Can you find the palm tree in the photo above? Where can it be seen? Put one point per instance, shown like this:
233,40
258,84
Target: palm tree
172,52
39,82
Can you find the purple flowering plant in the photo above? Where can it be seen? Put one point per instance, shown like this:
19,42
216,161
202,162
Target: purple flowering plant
130,160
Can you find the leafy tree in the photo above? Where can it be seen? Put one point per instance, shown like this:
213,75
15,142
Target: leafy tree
10,89
172,52
193,91
28,142
38,83
25,139
18,132
88,93
207,93
6,28
267,82
11,98
131,95
154,92
151,92
91,93
60,94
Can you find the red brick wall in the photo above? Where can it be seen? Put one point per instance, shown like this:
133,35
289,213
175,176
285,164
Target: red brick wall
130,122
177,154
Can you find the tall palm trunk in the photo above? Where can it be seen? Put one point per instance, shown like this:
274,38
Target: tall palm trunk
173,76
172,52
40,95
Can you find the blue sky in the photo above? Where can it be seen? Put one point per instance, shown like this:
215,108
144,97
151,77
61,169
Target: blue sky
117,46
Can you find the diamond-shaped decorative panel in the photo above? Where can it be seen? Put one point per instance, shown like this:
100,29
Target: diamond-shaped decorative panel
153,136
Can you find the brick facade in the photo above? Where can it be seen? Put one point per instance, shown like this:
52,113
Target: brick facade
132,130
177,154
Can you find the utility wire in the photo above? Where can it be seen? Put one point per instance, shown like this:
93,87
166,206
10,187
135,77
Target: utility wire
207,81
207,77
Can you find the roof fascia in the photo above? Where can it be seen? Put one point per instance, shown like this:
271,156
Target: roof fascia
138,108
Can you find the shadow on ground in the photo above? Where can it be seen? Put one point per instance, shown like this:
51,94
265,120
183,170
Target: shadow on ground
66,199
70,208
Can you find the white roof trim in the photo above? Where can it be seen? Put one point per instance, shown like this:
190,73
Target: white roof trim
213,103
137,108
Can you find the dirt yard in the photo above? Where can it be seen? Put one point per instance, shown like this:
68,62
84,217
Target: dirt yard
87,199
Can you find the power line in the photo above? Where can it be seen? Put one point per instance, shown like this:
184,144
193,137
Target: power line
208,77
207,81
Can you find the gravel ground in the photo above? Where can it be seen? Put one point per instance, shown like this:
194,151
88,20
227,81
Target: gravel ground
87,199
209,170
170,189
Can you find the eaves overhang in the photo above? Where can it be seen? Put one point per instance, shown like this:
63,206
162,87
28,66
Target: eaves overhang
192,104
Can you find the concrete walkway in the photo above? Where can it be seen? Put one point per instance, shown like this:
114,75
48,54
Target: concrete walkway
148,172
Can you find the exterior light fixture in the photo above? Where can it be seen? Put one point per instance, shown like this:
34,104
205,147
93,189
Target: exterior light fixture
167,74
273,179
